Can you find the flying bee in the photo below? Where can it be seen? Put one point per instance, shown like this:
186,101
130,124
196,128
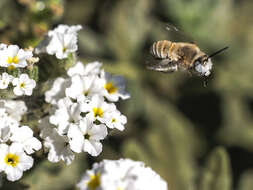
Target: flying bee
171,56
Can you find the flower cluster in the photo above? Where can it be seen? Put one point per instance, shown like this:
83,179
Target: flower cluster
12,57
123,174
82,111
16,142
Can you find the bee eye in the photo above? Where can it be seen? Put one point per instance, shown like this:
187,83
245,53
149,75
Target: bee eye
197,62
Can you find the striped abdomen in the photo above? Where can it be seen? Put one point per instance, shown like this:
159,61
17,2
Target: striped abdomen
161,49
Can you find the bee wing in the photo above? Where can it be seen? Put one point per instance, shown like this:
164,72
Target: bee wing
162,65
178,34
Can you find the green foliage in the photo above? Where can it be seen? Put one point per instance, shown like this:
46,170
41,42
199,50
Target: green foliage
217,173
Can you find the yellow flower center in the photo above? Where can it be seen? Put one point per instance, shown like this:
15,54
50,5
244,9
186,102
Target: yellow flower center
12,60
94,182
110,88
119,188
64,49
22,85
98,112
113,120
11,159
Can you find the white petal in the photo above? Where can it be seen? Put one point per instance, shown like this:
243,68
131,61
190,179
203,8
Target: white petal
94,148
98,132
32,145
76,139
13,174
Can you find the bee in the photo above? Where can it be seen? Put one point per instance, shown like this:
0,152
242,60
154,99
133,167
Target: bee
171,56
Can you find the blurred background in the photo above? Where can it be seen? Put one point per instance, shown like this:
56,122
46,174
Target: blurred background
195,137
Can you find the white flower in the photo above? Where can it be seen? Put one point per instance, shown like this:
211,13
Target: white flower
13,161
92,68
123,174
24,85
57,90
117,121
204,70
67,112
84,86
5,79
12,56
14,108
99,109
24,136
114,87
59,149
63,41
86,136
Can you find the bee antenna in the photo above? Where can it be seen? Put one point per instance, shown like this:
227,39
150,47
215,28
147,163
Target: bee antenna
217,52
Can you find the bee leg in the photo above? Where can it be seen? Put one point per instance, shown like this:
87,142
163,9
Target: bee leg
165,65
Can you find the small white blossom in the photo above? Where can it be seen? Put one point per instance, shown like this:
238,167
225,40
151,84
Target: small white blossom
204,70
92,68
13,161
23,85
86,86
12,56
59,148
99,109
5,79
120,175
57,90
86,136
63,40
67,113
114,87
117,121
24,136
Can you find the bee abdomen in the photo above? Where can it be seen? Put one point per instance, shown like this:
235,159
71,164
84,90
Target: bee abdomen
160,49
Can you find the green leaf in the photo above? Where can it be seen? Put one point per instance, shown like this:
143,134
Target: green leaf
217,172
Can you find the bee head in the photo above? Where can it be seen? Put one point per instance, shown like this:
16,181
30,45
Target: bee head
203,65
